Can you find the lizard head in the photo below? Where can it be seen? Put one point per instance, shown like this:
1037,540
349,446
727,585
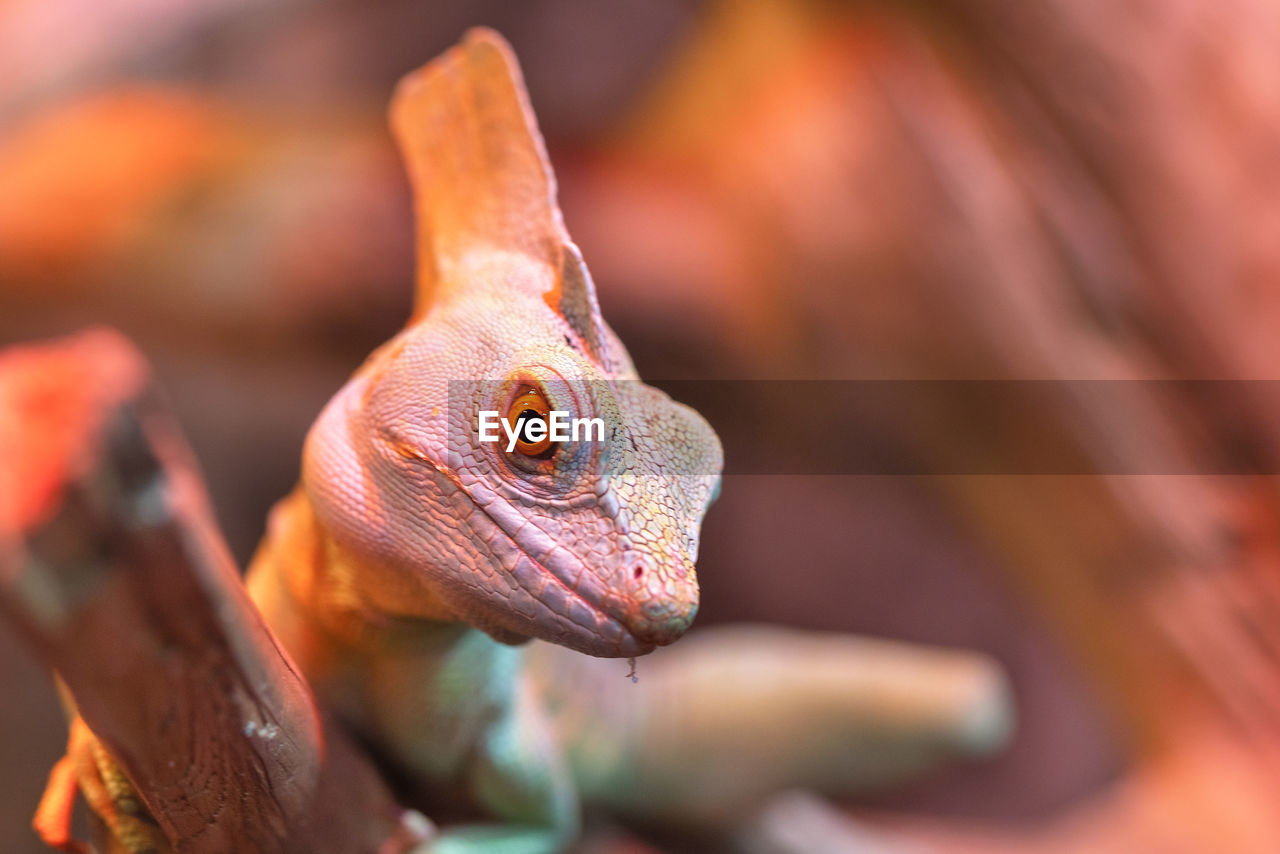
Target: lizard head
588,542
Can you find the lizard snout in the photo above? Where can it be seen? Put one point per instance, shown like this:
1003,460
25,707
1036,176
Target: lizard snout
662,600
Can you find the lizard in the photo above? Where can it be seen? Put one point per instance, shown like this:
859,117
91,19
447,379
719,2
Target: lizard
413,560
412,564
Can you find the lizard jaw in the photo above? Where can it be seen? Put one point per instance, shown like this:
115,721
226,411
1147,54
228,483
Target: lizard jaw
566,602
593,630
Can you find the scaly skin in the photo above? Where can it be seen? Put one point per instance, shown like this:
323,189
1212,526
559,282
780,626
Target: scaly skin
413,557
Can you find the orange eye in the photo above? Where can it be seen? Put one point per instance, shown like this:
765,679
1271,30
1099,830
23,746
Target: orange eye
528,408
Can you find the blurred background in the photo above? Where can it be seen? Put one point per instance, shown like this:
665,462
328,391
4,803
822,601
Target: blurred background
765,189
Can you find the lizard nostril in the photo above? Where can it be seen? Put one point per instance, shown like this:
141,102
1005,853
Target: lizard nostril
638,572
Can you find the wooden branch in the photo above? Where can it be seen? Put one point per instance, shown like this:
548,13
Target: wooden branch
112,566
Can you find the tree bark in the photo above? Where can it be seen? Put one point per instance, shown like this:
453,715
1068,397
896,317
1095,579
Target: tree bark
112,566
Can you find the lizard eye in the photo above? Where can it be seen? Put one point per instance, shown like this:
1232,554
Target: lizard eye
527,410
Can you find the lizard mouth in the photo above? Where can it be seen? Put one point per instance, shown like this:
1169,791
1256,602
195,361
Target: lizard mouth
605,635
573,601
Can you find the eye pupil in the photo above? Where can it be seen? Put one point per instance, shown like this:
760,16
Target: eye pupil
529,408
524,421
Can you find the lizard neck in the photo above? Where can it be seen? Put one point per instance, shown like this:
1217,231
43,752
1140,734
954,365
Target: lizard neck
301,575
380,671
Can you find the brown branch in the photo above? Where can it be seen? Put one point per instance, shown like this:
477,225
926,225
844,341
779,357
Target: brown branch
112,567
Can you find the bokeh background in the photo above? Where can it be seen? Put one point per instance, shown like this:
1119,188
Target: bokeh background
764,189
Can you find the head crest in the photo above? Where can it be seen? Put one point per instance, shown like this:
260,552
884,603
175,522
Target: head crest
482,182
